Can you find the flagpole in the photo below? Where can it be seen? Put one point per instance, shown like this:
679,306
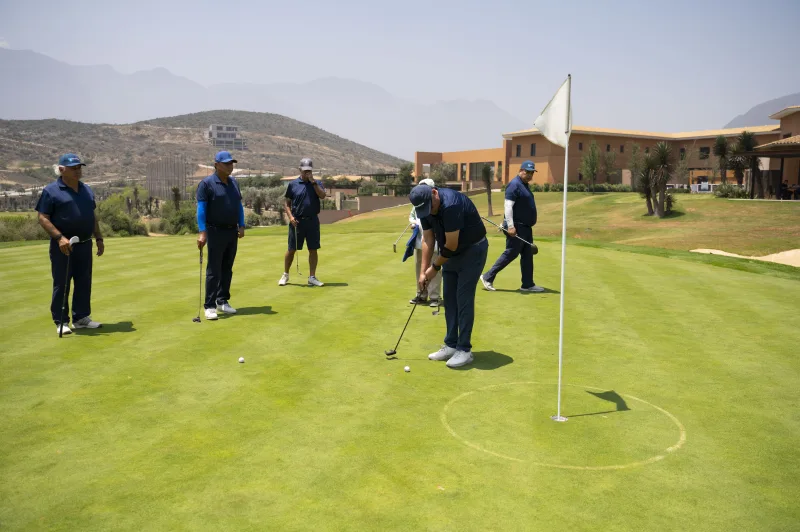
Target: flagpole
558,416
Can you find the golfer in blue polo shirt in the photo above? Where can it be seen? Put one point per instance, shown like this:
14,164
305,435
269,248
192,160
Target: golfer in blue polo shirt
520,217
66,210
450,219
220,219
302,205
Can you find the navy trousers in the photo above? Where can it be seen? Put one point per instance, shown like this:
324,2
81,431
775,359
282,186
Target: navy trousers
222,245
516,248
460,278
80,273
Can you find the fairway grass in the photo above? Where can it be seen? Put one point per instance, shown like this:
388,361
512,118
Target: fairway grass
681,385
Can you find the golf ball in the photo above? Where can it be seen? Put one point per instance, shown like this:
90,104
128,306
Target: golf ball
241,360
407,369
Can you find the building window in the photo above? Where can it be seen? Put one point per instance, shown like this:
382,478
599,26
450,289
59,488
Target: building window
787,135
705,153
499,171
580,146
608,147
622,148
580,177
519,150
533,150
683,153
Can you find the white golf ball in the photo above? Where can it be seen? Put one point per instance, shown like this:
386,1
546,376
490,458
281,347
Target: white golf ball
407,369
241,360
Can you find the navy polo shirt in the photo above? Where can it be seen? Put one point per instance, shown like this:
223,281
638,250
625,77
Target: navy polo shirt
456,213
520,193
222,201
305,201
72,213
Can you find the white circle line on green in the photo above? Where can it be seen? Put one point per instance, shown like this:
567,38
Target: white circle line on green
678,444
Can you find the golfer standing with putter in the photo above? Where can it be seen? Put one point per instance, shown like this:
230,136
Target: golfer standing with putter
451,220
66,212
520,217
220,219
302,205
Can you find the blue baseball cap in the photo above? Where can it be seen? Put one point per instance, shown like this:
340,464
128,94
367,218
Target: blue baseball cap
421,197
70,159
528,166
224,157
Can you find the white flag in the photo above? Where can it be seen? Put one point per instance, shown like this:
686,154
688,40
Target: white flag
555,122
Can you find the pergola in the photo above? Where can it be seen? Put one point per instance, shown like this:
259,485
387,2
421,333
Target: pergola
788,148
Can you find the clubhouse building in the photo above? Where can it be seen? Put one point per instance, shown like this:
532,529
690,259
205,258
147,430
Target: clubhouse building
778,148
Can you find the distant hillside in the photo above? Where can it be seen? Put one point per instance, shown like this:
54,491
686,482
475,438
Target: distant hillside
759,115
353,109
276,144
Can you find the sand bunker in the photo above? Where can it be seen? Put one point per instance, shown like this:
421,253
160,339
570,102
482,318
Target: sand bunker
790,257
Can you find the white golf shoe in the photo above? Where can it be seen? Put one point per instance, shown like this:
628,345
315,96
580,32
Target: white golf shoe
211,314
66,330
225,308
284,279
461,358
442,354
86,323
487,285
313,281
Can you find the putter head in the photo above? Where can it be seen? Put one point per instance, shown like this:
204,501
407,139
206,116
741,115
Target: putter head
196,320
394,247
390,352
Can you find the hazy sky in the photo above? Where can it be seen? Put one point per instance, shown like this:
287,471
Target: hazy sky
661,66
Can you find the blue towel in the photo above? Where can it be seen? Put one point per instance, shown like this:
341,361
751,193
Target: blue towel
412,243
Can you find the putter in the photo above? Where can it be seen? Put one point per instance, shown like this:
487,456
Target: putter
438,303
72,241
200,297
534,246
394,246
392,352
296,250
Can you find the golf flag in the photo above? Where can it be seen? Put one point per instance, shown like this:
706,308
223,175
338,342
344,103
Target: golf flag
555,122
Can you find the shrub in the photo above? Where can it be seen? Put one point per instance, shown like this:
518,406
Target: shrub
728,190
113,214
252,220
182,221
14,228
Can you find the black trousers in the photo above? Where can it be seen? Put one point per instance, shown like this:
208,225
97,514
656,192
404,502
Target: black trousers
80,273
222,245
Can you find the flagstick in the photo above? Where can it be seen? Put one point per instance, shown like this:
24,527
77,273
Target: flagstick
558,416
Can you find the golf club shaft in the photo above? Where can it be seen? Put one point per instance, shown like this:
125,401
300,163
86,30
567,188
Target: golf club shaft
64,300
413,308
401,234
200,291
296,250
506,232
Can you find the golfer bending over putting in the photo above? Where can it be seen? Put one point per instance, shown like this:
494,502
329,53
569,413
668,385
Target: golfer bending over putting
451,220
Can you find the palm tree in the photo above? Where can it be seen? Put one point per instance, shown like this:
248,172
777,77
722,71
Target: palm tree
644,179
722,150
747,143
737,163
662,158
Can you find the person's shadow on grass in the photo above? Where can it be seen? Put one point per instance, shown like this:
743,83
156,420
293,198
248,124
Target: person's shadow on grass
109,328
487,360
250,311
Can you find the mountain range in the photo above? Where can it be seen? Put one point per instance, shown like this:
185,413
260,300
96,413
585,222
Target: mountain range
35,86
